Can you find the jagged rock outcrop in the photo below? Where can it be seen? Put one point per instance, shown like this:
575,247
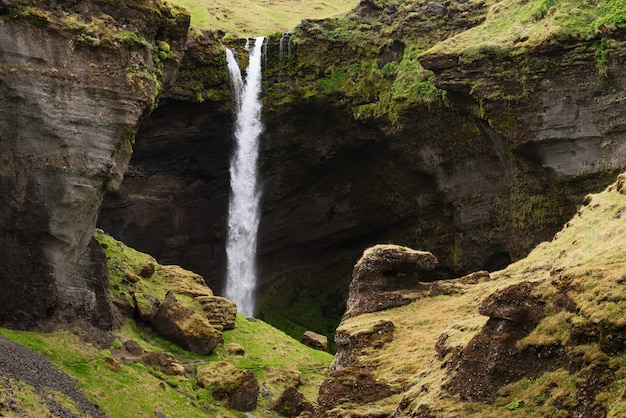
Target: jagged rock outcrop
75,79
174,201
384,275
543,337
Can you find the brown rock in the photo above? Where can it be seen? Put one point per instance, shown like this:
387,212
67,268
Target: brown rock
381,275
315,340
147,271
162,362
184,327
113,363
491,359
351,385
280,378
236,349
292,403
350,346
133,348
146,306
185,282
221,312
239,389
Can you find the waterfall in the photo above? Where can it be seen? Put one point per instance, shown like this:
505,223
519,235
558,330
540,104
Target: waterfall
281,47
243,211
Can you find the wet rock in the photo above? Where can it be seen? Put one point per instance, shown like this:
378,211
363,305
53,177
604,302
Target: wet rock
185,327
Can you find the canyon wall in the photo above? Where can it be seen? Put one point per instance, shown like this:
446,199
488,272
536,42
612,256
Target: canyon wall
75,80
367,139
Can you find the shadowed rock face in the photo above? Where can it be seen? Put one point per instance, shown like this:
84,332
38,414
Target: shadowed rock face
174,202
477,190
68,111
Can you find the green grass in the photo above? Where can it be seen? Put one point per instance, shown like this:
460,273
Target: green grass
269,353
262,17
521,25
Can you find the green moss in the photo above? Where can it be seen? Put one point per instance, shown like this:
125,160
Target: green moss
264,347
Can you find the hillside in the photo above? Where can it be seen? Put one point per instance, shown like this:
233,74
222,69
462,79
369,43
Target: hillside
106,372
542,338
255,18
445,357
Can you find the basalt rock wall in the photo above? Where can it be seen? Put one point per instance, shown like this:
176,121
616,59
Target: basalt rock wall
75,79
491,160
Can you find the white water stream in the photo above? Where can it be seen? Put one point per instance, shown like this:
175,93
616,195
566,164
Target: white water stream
243,211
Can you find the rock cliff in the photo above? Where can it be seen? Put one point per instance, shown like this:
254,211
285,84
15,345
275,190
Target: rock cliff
75,79
391,124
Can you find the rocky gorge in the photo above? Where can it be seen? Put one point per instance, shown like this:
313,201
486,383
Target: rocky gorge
474,152
427,124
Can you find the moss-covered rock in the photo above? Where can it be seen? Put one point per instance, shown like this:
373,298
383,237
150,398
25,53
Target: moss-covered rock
185,327
239,389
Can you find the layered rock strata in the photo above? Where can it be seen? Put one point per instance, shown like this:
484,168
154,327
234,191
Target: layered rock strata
75,79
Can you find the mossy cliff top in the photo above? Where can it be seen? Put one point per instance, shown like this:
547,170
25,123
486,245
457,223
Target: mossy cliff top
372,60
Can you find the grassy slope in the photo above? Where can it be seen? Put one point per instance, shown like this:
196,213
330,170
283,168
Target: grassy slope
521,25
269,353
590,251
262,17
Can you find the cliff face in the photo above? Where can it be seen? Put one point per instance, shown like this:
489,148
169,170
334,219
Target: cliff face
74,82
474,154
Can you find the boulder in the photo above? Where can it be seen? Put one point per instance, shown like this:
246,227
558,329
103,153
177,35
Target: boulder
183,326
239,389
292,403
185,282
235,349
133,348
146,306
162,362
383,274
315,340
221,312
279,378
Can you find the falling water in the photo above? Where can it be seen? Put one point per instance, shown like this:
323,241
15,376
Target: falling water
281,47
243,211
